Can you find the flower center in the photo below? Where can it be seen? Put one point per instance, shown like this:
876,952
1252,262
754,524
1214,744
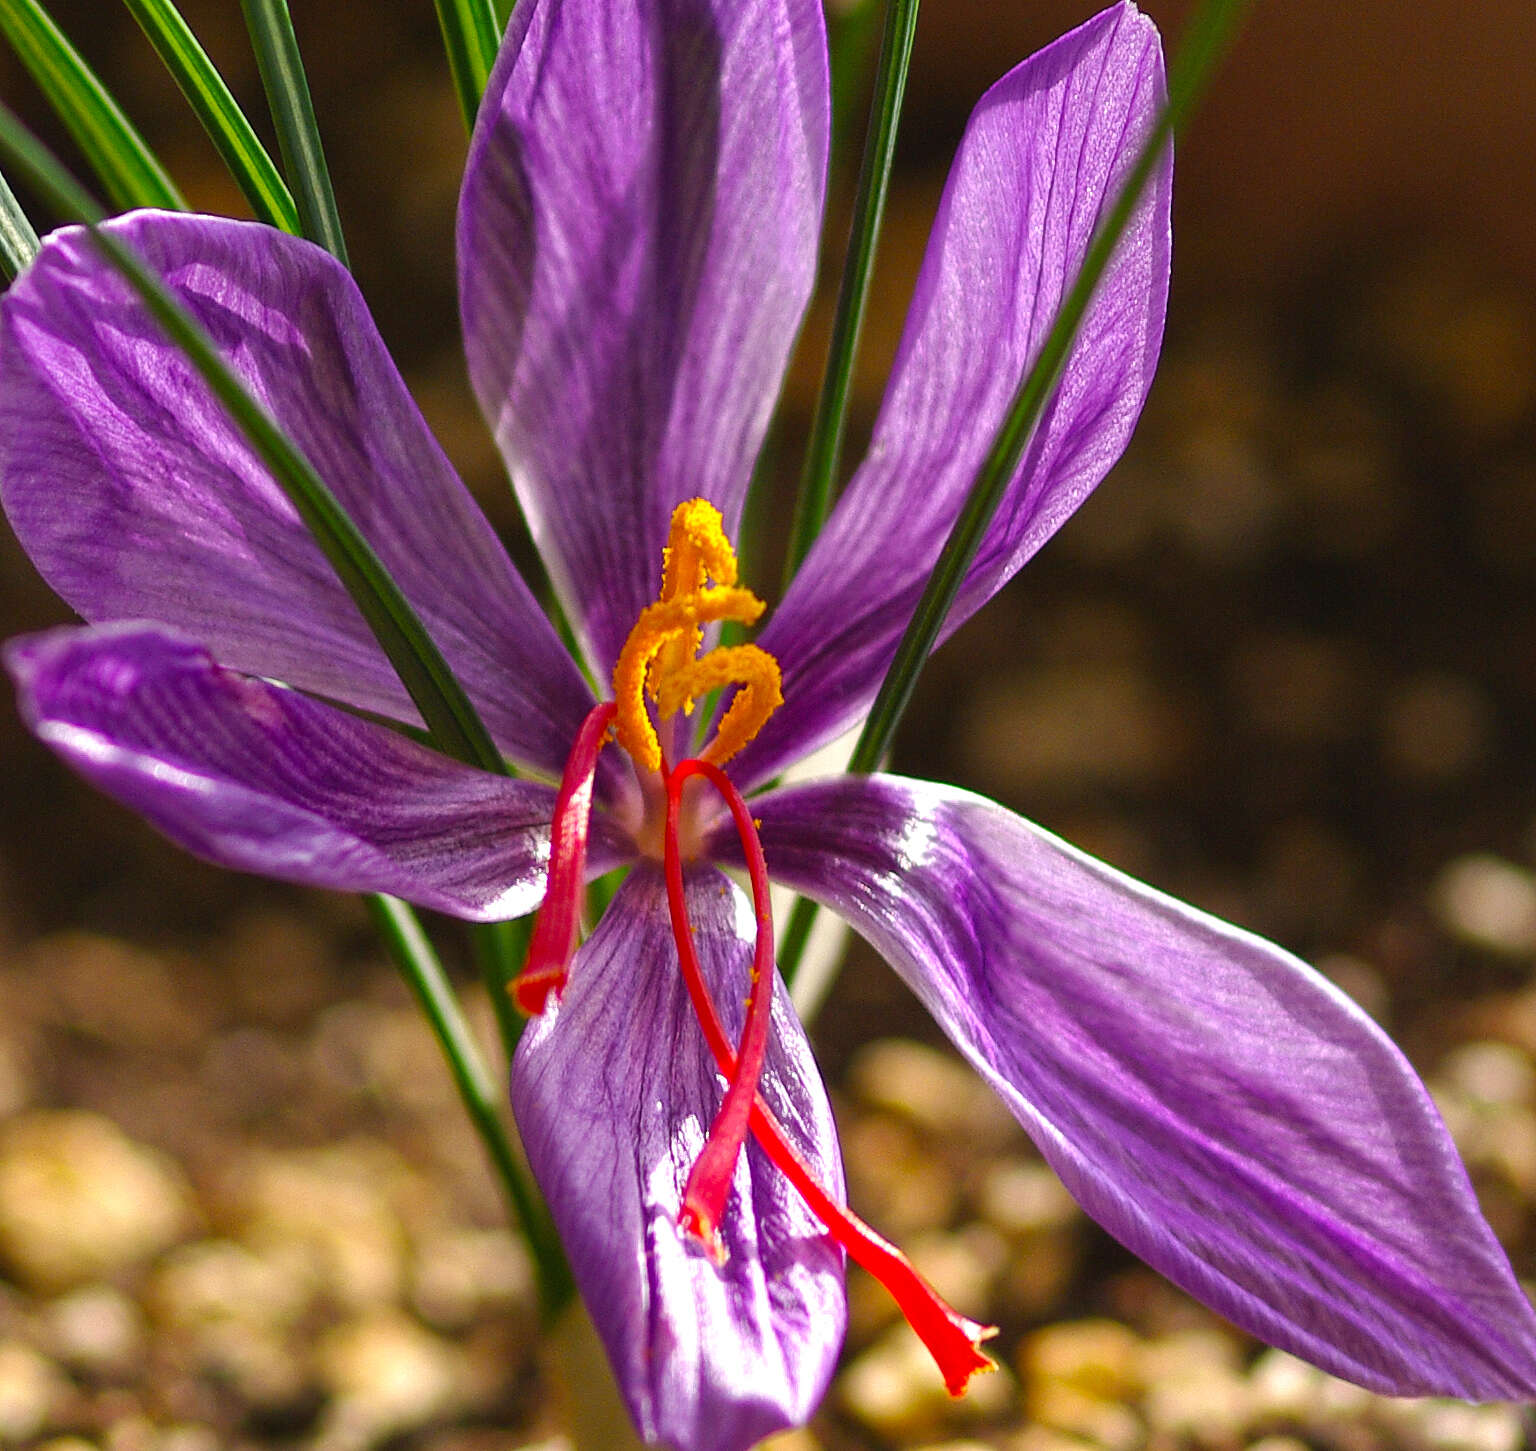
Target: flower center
661,656
661,660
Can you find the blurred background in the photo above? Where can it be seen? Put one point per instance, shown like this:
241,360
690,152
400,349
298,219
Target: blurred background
1283,664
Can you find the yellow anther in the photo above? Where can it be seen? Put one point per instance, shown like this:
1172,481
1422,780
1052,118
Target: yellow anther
660,656
762,693
696,547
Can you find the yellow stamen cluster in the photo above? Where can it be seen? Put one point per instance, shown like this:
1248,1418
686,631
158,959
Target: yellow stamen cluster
661,656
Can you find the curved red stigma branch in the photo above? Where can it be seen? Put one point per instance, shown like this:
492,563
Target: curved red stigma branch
710,1179
952,1339
554,931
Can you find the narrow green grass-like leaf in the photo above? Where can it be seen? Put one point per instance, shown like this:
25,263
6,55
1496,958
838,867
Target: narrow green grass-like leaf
401,930
826,442
852,34
293,113
501,949
223,120
451,717
470,35
18,239
797,935
824,449
129,172
1205,41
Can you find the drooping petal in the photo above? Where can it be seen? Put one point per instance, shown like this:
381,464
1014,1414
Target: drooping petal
614,1091
256,777
1212,1101
1042,160
637,242
137,497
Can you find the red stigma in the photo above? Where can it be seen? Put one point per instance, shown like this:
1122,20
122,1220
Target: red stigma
709,1182
554,931
953,1340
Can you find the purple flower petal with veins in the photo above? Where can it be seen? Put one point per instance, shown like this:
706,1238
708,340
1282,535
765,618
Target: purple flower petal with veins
614,1092
138,498
637,240
1045,152
268,780
1213,1102
637,243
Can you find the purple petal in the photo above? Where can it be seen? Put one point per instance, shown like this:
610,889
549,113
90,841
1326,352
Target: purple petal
137,498
263,779
614,1091
1212,1101
637,242
1042,160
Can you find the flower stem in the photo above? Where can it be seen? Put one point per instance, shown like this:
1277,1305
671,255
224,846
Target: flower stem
298,137
827,426
420,966
1205,41
500,948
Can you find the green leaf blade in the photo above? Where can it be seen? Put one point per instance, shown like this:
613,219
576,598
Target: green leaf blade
407,944
117,153
1206,40
470,34
824,449
293,112
231,133
18,238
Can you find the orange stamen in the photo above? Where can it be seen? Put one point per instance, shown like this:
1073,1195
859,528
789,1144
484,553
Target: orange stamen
696,548
659,657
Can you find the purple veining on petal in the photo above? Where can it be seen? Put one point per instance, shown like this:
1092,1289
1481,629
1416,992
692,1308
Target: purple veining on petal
637,242
1041,161
264,779
614,1091
1211,1100
138,498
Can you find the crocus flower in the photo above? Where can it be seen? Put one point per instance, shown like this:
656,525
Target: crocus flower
637,237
